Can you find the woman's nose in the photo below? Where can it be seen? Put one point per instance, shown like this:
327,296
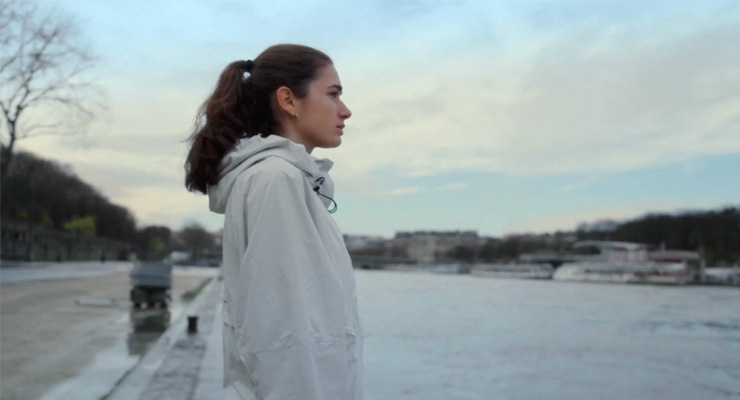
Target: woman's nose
344,112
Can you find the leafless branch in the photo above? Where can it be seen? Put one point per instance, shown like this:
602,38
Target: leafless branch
41,130
43,67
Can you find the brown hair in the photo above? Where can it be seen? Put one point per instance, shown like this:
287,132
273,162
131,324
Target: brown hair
242,107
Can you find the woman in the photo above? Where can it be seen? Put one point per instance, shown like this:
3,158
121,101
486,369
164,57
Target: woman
291,324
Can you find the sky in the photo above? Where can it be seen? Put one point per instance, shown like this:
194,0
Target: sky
499,117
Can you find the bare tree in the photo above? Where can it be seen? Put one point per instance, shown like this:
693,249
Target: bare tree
44,87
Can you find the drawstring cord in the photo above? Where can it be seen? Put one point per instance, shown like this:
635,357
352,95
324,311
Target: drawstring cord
320,182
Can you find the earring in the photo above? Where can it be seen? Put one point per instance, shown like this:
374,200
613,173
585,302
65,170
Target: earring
294,115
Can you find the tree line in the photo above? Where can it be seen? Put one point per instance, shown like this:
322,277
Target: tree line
714,233
43,192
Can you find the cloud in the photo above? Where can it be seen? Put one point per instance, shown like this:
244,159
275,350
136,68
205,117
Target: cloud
593,99
401,191
452,186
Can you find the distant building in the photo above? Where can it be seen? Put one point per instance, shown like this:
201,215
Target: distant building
356,242
433,246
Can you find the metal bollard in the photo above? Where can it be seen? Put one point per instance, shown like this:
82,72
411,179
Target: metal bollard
192,323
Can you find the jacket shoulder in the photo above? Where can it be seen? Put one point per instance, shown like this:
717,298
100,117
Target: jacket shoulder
272,170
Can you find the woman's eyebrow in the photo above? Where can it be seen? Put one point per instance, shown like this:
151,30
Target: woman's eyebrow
338,87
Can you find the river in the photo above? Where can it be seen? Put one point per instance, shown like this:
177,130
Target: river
462,337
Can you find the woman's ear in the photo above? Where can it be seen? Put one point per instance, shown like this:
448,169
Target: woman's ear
285,100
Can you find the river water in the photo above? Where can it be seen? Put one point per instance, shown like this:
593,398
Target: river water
463,337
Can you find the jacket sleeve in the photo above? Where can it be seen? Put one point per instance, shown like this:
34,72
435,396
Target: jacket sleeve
290,312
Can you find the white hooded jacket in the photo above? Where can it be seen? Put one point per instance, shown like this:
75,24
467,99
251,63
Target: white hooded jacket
291,324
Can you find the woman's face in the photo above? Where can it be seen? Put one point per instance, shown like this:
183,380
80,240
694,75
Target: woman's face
321,113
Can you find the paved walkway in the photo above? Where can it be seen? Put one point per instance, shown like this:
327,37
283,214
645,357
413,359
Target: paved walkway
182,366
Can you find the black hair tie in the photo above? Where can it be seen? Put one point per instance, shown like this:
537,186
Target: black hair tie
248,65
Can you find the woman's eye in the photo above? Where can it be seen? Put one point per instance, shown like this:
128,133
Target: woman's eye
334,94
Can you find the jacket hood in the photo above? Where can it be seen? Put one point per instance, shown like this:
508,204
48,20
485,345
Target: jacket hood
250,151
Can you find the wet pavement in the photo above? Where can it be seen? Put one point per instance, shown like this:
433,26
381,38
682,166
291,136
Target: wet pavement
66,337
182,365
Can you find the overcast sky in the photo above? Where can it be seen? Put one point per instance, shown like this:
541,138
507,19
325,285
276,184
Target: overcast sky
499,117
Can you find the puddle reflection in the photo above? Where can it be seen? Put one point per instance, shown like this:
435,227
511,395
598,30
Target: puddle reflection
146,327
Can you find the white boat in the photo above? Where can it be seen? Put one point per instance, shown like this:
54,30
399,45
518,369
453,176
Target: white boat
626,272
516,271
722,276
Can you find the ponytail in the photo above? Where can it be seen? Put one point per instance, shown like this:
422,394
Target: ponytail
240,107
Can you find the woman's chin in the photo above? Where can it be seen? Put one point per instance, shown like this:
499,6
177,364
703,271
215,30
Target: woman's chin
332,144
